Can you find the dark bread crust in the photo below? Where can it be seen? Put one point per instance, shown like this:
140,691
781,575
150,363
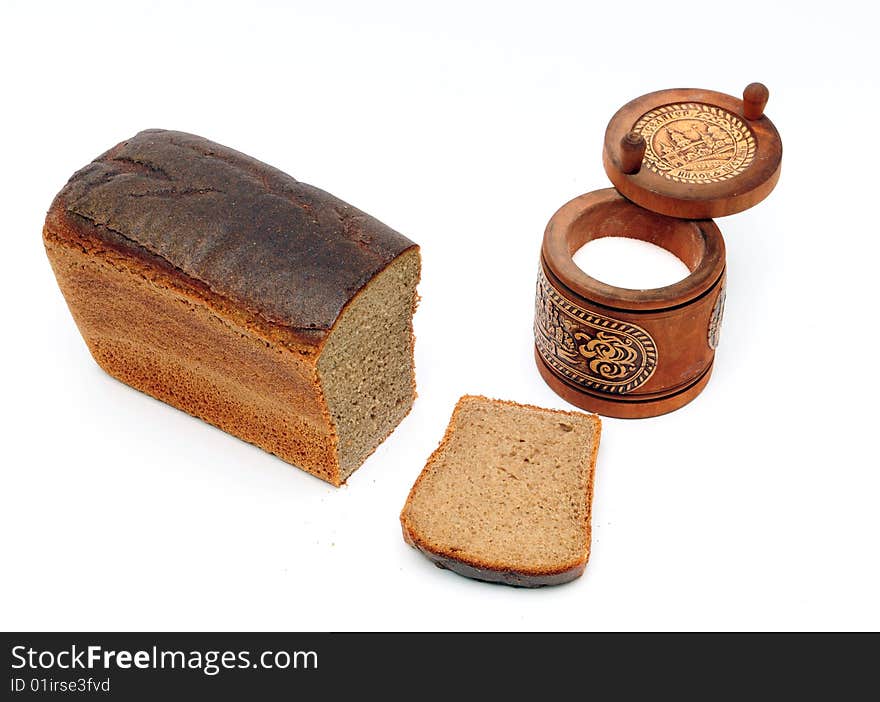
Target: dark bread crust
283,251
492,572
493,575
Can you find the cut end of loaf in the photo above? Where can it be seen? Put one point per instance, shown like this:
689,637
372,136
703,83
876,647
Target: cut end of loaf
507,495
366,368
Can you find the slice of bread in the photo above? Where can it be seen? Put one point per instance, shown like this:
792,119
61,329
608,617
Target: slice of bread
506,497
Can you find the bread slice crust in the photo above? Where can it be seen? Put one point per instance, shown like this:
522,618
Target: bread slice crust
485,569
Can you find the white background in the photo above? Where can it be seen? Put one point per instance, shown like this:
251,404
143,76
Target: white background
465,126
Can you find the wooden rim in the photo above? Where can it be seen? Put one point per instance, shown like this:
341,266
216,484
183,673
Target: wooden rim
604,213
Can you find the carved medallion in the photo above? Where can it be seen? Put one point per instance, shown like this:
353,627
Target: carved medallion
695,143
717,317
589,349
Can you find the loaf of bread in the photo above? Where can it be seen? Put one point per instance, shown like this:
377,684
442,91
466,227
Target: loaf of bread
507,496
233,292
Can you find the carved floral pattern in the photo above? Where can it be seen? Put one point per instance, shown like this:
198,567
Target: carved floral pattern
589,349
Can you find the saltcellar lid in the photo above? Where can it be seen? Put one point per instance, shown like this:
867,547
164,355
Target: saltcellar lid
693,153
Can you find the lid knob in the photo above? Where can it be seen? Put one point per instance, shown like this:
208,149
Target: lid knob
755,98
632,151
